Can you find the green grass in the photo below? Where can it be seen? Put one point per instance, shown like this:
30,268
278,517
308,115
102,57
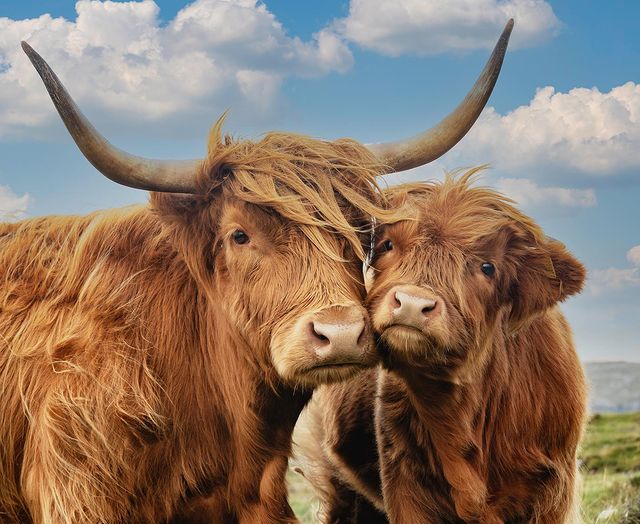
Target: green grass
301,498
611,458
611,469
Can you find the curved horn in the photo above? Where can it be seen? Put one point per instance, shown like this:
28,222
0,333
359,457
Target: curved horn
425,147
174,176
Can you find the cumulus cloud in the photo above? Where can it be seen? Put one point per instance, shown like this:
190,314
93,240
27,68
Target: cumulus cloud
529,194
633,256
12,207
118,58
425,27
612,278
526,192
583,131
555,151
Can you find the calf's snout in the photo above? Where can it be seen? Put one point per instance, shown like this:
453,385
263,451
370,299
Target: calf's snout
413,306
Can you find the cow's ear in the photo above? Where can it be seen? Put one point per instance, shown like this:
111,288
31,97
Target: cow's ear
546,274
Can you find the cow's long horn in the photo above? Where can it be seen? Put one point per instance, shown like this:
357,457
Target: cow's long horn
425,147
176,176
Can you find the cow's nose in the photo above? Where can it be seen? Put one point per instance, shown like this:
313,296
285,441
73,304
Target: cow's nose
413,306
340,335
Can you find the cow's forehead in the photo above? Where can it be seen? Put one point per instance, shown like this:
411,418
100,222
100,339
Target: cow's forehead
269,223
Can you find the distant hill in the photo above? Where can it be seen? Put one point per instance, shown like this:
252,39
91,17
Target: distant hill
615,386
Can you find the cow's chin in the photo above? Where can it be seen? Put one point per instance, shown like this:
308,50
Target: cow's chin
407,343
327,374
296,365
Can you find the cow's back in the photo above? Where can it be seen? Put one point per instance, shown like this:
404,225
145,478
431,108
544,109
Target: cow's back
73,364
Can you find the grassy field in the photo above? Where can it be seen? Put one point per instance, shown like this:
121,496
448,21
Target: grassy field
611,468
611,457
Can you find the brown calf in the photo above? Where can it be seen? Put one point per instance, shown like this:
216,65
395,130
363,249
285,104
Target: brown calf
480,404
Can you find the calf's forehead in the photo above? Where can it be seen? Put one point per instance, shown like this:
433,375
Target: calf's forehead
455,217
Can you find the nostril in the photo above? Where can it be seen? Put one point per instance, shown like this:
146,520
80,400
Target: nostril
396,300
429,307
318,334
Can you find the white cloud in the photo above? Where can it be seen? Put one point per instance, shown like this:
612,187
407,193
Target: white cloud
549,152
117,58
633,256
613,278
583,131
601,280
12,207
528,193
426,27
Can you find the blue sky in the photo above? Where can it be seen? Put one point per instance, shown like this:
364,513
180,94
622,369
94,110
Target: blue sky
562,131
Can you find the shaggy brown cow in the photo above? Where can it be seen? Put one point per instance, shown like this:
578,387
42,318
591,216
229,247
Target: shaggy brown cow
154,360
480,404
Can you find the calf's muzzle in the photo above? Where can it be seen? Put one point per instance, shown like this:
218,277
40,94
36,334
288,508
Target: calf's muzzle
413,306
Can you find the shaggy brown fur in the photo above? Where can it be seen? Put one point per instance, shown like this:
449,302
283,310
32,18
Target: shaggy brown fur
478,414
146,366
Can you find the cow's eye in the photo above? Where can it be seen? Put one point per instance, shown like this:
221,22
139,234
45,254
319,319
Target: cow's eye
240,237
488,269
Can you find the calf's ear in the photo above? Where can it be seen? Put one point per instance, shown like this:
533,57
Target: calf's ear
547,274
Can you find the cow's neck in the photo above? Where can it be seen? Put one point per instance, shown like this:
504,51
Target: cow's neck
264,412
261,410
439,394
235,417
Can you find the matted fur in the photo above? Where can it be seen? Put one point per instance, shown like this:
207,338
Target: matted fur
136,374
478,417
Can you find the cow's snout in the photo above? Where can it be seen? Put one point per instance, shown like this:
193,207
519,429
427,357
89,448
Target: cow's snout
339,335
326,345
413,306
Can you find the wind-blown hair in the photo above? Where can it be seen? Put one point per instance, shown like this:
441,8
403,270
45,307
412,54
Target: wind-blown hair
313,183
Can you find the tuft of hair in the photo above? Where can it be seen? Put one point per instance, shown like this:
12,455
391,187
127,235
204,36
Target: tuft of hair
472,211
313,183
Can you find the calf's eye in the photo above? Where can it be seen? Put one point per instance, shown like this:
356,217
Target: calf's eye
240,237
488,269
387,245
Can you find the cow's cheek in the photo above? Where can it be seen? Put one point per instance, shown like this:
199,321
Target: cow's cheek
287,355
239,301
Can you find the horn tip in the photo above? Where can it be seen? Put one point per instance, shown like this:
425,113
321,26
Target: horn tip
508,27
503,41
29,51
